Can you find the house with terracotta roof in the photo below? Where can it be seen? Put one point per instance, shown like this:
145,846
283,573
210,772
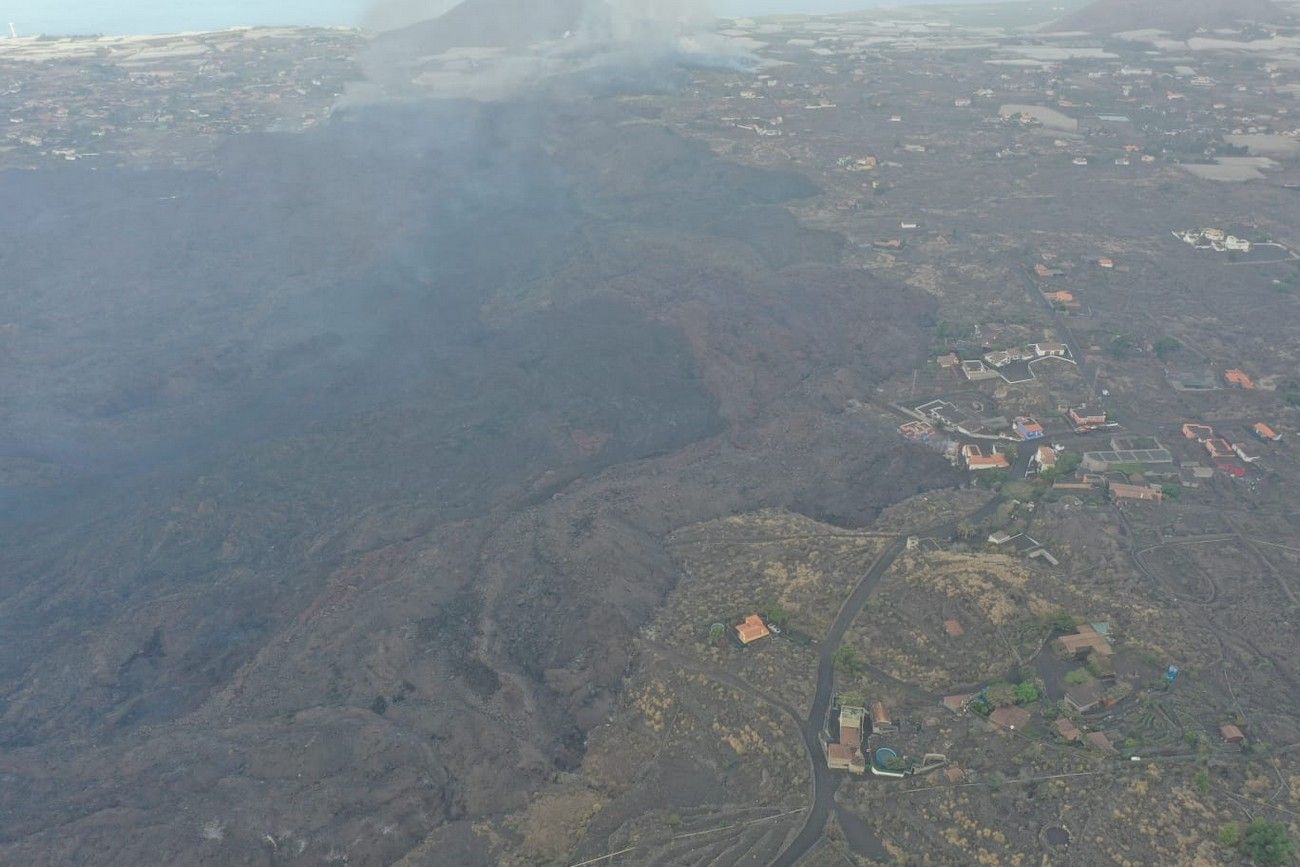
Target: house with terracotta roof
1231,468
1067,730
1085,419
846,754
917,431
1219,448
1012,718
1266,433
1142,493
1239,378
976,460
840,757
1042,272
751,629
1062,298
1231,734
880,722
1199,432
1084,641
953,627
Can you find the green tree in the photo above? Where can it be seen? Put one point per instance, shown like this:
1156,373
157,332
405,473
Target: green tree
774,612
1267,842
1167,346
1068,462
1202,781
1230,835
716,633
1062,621
1027,692
1078,677
847,660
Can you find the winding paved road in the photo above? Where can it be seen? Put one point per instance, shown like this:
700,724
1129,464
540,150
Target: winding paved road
826,782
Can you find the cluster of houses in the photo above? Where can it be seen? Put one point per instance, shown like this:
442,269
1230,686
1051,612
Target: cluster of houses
1214,239
1228,457
851,752
992,365
848,753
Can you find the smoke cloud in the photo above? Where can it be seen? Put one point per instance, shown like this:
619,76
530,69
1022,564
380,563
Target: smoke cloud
497,49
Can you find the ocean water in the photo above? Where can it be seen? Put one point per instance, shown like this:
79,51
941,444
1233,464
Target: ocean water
117,17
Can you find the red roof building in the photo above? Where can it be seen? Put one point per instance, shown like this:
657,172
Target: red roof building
1068,730
1266,433
1239,378
752,629
1012,718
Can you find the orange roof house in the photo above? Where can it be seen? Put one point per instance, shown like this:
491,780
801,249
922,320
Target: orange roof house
1010,717
1231,734
1239,378
880,721
953,627
840,757
1045,457
1264,432
1219,448
1085,640
1146,493
1198,432
1067,729
752,629
977,460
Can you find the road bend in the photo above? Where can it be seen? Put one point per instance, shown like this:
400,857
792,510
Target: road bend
825,782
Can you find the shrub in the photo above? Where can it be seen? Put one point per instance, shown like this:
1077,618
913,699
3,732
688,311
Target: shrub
847,660
1027,692
1000,694
1267,843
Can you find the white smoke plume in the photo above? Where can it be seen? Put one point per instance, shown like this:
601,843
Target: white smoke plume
494,49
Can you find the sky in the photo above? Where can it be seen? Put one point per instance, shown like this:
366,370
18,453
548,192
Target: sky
31,17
